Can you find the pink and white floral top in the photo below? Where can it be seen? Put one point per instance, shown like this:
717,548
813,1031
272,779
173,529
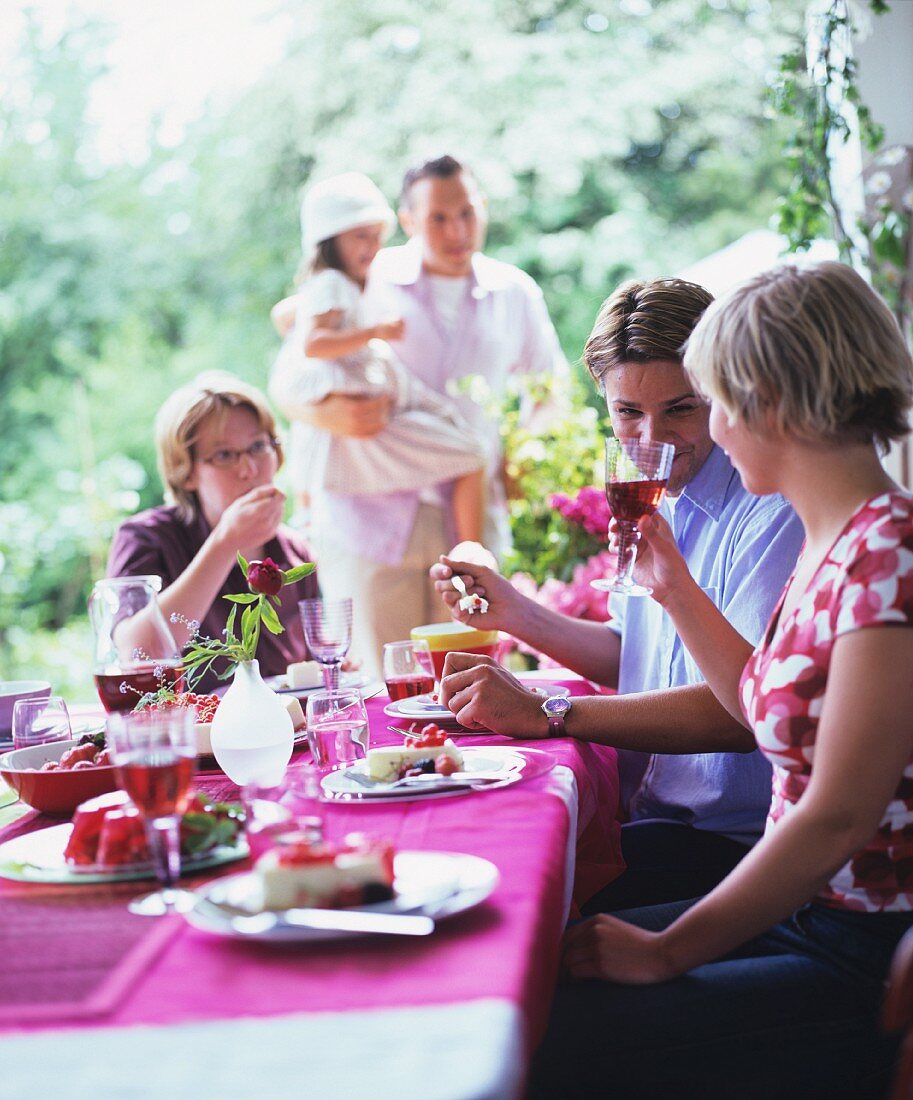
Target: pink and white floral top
865,580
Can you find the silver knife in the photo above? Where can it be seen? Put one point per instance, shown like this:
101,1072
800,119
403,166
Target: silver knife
336,920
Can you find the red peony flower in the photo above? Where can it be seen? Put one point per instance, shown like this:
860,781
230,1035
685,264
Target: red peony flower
265,577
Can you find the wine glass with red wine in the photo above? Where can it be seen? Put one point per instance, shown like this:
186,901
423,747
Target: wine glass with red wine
156,755
636,474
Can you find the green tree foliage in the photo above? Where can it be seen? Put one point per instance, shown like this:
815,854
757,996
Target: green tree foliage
614,137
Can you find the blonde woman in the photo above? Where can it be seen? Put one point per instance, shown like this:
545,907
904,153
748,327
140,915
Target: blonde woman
218,452
770,985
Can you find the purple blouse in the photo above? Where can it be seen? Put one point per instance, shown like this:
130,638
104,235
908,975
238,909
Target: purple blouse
159,542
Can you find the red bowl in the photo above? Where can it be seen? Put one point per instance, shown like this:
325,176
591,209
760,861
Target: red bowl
57,793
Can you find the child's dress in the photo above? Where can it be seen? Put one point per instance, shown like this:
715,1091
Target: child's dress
426,440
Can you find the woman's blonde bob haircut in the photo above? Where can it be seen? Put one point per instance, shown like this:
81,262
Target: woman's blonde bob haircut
179,422
810,351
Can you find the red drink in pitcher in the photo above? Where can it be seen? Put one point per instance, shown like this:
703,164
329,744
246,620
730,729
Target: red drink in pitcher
140,679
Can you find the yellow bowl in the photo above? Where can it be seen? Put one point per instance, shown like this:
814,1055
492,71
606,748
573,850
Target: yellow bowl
453,637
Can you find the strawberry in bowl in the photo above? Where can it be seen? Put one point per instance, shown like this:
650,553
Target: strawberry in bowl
206,706
57,776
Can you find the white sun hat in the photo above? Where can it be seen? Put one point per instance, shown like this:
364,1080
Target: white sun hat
340,203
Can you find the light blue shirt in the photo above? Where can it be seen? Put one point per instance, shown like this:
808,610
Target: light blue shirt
741,550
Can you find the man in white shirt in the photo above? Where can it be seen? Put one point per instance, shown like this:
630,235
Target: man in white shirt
465,315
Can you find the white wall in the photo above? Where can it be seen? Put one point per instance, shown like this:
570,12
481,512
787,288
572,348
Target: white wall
885,74
883,48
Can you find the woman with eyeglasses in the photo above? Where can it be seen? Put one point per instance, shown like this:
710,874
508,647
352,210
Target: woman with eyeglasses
218,453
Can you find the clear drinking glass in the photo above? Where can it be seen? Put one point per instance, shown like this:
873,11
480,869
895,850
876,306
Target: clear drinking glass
155,753
328,633
635,482
291,811
36,721
408,669
337,728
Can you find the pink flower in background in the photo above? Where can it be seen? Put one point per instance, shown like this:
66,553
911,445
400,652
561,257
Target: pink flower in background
588,509
597,603
574,598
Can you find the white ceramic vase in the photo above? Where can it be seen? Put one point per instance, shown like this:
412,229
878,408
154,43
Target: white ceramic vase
252,733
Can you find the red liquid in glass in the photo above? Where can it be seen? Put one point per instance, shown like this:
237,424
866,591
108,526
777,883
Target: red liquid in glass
629,500
140,678
403,687
158,782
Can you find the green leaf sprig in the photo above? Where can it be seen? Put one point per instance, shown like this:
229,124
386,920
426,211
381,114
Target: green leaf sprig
264,579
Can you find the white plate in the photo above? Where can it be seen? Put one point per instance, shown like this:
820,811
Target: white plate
38,857
498,759
419,709
434,884
547,691
279,684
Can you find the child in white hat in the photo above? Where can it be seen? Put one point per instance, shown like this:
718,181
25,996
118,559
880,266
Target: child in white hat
330,349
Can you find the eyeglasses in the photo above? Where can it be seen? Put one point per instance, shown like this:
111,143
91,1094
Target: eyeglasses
258,451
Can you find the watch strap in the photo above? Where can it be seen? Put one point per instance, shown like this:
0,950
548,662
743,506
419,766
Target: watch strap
556,726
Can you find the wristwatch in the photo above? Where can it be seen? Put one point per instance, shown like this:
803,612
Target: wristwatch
556,708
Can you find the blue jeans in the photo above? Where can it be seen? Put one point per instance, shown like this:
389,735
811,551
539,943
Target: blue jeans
790,1014
666,861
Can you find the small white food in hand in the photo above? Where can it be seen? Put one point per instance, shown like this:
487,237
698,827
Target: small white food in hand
472,604
468,603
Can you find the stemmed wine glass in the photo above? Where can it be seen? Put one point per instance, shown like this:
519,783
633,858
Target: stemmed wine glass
155,753
635,481
328,633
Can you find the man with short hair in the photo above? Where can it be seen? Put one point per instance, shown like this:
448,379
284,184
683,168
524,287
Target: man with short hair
696,788
465,315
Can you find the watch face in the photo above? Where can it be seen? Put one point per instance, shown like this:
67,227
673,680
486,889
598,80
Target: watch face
557,706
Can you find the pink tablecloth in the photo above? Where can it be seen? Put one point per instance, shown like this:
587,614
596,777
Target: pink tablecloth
506,948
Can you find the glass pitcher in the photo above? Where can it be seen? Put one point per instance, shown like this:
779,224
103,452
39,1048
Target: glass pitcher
134,650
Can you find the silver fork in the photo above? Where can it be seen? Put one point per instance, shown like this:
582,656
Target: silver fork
445,782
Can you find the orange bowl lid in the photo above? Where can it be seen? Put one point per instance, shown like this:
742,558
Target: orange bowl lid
453,635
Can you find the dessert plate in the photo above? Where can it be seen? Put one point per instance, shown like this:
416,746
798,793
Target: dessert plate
38,857
492,767
433,884
420,708
279,684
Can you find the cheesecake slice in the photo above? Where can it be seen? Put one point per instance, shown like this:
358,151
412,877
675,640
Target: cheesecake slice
303,874
304,674
393,762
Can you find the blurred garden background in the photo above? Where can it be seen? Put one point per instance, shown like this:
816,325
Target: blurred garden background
613,137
